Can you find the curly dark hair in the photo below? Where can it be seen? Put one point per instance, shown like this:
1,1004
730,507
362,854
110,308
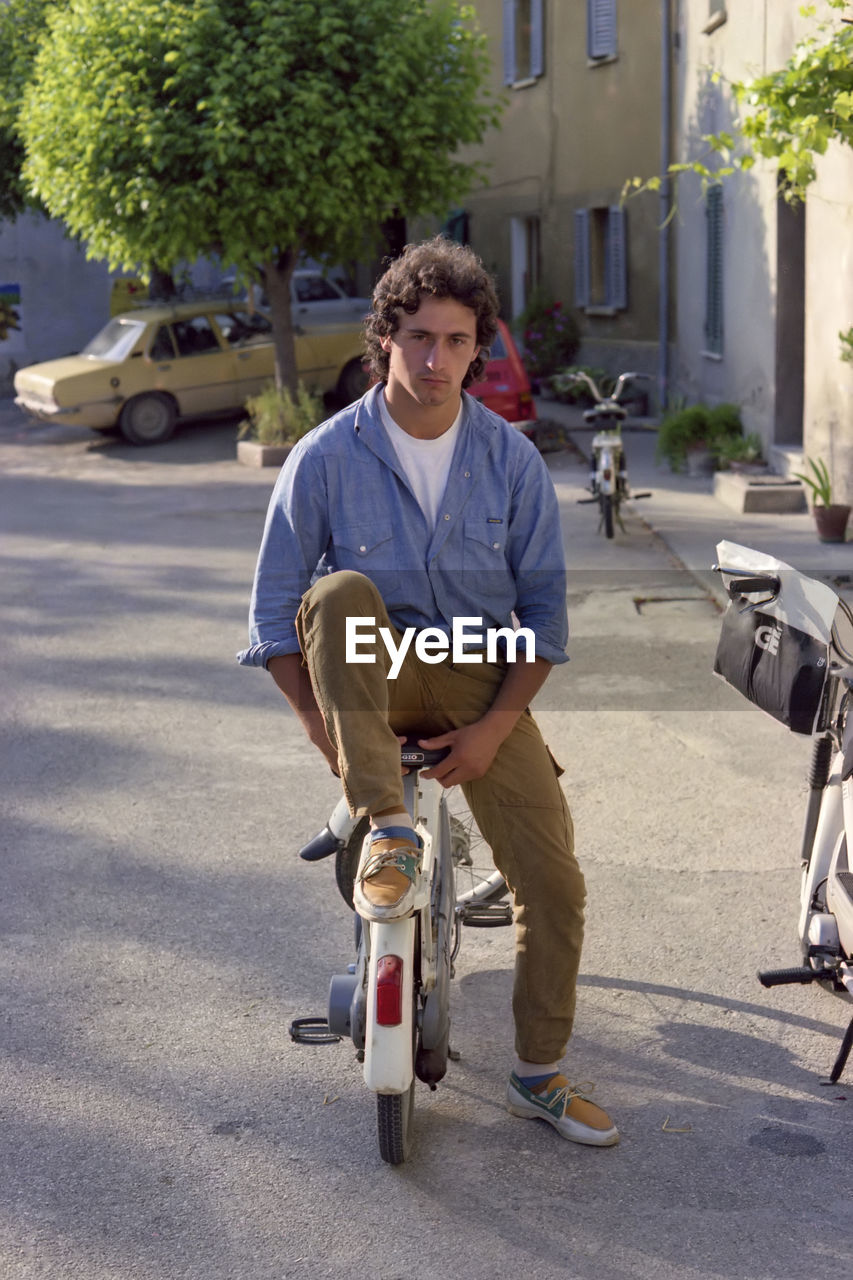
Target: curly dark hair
438,268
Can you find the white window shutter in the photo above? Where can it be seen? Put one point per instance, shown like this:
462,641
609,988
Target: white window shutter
601,39
616,259
537,38
509,42
582,258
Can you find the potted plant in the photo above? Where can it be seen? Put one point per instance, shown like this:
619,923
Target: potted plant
830,517
277,419
691,436
741,453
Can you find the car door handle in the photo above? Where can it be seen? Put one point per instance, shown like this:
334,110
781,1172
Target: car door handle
243,355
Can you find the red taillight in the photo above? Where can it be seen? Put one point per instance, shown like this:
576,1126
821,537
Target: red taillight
525,404
389,991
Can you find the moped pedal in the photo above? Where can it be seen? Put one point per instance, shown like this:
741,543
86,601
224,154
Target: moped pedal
486,915
312,1031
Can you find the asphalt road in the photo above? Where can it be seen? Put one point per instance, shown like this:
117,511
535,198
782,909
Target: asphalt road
157,933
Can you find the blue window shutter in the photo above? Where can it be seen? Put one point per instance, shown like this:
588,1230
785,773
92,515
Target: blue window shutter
509,42
714,270
581,257
601,40
616,259
537,38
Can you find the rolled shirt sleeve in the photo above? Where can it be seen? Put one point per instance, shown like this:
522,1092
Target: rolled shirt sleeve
296,534
535,553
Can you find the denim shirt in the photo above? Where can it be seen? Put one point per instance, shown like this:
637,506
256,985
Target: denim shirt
342,501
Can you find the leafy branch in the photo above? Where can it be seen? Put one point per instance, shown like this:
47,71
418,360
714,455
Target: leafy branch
790,115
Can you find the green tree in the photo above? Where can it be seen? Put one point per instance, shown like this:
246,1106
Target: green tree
795,112
256,129
22,25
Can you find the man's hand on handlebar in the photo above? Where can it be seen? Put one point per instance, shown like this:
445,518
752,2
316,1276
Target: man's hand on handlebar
472,750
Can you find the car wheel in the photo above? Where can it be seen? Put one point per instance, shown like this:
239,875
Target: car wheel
148,419
353,382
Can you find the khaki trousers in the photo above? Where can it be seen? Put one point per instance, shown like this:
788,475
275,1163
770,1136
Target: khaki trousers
519,805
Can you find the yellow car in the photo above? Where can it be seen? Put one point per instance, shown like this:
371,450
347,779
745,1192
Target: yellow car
148,368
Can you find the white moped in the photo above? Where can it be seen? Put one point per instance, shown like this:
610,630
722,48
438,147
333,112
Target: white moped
393,1002
787,645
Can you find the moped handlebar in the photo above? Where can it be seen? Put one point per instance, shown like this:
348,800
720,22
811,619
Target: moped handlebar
615,396
757,582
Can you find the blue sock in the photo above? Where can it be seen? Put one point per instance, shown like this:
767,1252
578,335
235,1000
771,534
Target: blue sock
530,1082
395,833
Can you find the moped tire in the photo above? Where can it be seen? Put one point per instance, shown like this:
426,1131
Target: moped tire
607,514
394,1118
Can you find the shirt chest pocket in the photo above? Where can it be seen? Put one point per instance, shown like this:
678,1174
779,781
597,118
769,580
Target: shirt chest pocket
370,549
484,554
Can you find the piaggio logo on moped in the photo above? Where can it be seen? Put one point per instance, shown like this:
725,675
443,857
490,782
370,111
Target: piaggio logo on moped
768,638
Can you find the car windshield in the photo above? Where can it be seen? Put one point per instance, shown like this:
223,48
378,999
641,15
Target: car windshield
116,340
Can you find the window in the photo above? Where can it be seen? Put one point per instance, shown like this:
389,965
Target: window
116,340
524,261
240,329
315,289
601,39
161,348
194,337
714,271
601,267
523,45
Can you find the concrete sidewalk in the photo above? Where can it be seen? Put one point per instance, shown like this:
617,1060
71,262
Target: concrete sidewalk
691,521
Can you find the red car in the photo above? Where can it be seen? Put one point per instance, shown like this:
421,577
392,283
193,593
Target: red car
506,387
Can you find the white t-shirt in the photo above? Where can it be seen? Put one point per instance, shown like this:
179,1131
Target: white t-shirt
425,462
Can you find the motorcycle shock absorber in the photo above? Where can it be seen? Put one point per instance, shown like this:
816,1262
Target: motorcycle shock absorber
821,760
818,778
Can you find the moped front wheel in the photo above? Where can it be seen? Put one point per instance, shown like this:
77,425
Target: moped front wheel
607,514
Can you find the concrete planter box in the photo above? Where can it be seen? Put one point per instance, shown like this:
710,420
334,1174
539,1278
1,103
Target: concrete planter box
770,494
252,454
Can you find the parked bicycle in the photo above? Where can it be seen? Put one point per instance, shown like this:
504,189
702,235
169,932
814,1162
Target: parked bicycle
608,473
787,645
394,1000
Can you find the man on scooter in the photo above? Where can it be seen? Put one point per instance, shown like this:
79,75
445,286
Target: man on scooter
413,507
